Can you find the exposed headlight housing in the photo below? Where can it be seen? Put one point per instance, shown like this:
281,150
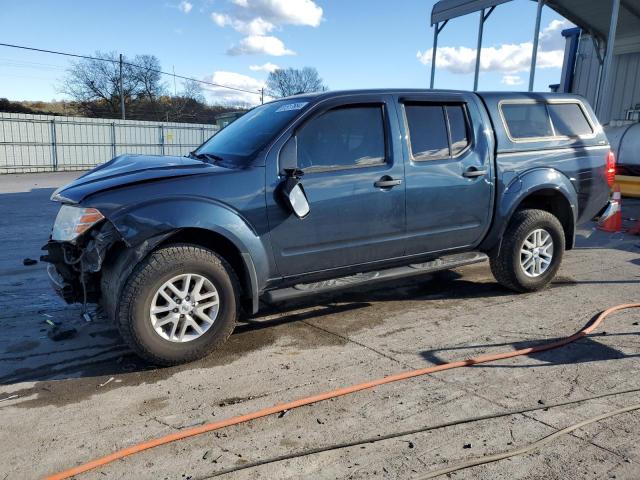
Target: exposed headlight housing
73,221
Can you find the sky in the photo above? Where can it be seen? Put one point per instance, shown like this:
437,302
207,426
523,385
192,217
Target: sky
352,43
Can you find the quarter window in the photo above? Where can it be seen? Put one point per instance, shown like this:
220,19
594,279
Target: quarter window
345,137
569,120
458,128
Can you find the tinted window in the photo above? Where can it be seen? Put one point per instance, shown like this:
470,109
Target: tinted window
427,131
527,120
458,128
569,120
343,138
242,139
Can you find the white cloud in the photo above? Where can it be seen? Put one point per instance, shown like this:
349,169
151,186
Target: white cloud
509,58
257,18
512,80
267,67
185,7
551,37
256,26
260,45
232,97
283,12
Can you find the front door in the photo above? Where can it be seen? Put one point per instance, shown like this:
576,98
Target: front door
449,172
354,185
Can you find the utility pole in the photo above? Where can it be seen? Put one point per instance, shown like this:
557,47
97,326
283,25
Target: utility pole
121,91
175,89
262,95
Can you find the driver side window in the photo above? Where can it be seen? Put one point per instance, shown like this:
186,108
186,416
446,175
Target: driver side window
343,138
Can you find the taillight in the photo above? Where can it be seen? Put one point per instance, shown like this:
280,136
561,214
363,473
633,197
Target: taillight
611,168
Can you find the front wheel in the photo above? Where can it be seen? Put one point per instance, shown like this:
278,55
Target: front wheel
531,251
178,304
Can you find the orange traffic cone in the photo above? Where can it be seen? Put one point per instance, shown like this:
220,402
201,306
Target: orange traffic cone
611,219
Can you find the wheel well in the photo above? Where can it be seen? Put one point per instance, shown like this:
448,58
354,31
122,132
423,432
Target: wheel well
556,204
219,244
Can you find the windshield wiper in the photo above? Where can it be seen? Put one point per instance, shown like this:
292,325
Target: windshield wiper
206,156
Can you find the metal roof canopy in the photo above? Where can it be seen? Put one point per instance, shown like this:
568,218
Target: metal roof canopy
604,19
448,9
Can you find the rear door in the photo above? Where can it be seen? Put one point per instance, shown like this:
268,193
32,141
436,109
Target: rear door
449,171
346,148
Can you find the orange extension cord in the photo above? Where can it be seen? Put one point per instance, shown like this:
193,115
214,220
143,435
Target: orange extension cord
190,432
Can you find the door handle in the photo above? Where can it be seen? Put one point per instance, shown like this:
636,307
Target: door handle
474,172
387,182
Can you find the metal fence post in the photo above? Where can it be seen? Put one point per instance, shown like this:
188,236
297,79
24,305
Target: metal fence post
202,129
113,139
54,146
161,139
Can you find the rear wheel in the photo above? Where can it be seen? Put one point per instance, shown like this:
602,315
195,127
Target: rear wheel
531,251
178,304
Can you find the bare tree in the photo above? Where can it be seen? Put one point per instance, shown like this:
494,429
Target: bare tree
292,81
193,91
148,75
96,82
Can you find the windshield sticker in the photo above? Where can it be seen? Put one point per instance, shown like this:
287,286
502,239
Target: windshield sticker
291,106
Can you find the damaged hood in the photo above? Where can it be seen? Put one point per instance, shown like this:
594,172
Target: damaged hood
127,170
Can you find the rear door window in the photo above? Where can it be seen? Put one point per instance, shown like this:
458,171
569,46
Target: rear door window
345,137
527,120
569,120
427,131
436,131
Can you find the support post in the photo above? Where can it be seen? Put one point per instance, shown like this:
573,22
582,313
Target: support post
607,79
113,139
262,95
534,53
54,146
121,91
161,139
436,31
478,51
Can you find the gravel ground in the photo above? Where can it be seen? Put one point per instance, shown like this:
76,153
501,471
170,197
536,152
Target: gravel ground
65,402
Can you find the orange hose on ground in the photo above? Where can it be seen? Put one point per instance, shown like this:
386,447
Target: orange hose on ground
190,432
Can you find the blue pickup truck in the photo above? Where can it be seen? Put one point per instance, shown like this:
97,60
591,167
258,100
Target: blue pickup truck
320,192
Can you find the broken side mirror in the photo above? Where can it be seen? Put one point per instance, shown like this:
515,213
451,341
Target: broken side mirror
294,195
291,188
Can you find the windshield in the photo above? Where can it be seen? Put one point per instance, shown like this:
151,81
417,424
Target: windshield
244,138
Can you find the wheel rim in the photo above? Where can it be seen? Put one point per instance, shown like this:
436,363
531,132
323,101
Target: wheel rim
184,307
536,253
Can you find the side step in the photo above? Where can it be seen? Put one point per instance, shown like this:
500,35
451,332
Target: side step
443,263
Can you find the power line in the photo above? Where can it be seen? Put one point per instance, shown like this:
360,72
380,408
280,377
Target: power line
88,57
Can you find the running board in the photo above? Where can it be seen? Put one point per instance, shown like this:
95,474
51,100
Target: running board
443,263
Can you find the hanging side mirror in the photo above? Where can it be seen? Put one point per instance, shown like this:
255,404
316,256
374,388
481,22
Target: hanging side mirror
291,189
293,193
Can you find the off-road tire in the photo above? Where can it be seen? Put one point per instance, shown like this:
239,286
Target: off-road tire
505,264
133,317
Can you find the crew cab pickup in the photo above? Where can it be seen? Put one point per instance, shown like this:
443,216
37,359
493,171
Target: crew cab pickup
324,191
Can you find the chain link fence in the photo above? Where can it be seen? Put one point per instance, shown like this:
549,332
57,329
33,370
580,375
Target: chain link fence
45,143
